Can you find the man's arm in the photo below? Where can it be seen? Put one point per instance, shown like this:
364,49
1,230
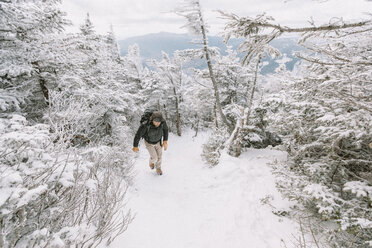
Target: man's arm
165,131
139,134
165,136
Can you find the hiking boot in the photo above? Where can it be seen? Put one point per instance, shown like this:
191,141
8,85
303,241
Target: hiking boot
152,166
158,170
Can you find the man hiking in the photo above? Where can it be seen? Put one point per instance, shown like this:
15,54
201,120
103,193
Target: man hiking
153,131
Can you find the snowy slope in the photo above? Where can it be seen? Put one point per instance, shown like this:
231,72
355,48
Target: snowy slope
193,206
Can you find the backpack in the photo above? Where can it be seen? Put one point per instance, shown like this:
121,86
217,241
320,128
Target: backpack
145,117
145,121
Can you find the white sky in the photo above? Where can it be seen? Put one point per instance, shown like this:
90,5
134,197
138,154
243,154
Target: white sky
138,17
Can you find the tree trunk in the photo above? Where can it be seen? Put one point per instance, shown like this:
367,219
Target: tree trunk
42,83
235,143
252,92
215,115
211,74
166,118
178,121
196,126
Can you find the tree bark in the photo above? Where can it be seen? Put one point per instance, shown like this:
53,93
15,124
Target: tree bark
215,115
196,126
42,83
166,117
311,29
235,141
251,24
178,115
253,91
178,120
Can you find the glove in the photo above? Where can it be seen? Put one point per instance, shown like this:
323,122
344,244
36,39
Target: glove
135,149
165,145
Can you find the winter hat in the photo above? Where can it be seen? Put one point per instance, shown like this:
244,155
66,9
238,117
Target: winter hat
157,116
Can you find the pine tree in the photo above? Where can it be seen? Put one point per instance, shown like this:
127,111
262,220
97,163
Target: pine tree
25,26
87,27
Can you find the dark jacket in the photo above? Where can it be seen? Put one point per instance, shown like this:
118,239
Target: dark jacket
151,133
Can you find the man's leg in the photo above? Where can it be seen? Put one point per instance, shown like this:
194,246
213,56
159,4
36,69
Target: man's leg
153,154
159,152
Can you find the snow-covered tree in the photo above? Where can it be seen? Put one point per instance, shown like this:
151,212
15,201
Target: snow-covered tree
53,197
91,70
199,104
65,170
191,10
324,111
259,32
113,44
24,28
172,82
87,27
142,82
235,83
329,112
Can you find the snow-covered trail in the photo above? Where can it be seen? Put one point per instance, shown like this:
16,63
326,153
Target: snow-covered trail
194,206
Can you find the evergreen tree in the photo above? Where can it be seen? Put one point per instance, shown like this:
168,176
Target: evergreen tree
65,170
172,81
87,27
327,114
25,76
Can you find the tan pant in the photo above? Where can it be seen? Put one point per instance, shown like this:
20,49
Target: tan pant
155,153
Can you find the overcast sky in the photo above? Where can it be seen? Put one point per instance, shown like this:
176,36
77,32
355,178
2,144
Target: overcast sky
137,17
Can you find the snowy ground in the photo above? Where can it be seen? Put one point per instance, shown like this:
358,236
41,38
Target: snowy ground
194,206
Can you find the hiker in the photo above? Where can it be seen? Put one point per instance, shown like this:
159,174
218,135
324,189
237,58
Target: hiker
153,131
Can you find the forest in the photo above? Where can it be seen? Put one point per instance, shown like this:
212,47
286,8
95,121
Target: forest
70,106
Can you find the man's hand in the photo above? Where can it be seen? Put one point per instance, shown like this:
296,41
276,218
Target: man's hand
165,145
135,149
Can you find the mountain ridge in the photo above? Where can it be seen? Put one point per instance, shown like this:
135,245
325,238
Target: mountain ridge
151,45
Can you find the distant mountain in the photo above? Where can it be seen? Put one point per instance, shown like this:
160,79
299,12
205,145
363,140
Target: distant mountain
151,46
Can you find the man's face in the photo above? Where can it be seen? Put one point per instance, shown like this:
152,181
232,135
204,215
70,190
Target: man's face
156,123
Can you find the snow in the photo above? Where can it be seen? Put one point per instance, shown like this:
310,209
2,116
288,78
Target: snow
318,191
192,205
364,223
284,59
361,189
327,117
31,195
253,137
